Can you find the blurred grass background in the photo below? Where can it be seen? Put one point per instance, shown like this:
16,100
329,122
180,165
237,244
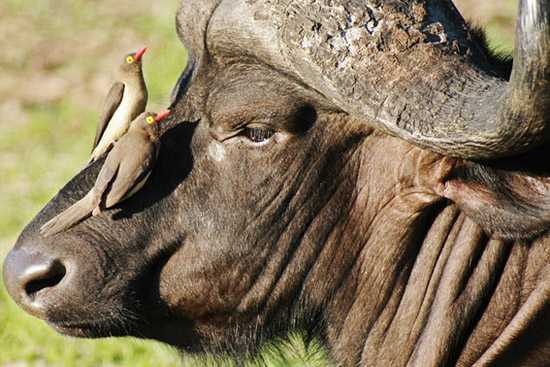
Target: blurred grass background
55,68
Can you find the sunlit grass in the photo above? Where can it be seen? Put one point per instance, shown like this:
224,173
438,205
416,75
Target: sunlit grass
38,157
26,340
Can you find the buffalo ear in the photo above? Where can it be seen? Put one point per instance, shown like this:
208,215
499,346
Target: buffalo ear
509,204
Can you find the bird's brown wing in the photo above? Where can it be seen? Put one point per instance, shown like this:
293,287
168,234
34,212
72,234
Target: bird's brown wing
137,159
69,217
111,104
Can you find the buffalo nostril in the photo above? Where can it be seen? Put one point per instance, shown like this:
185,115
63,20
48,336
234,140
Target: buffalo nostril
30,278
42,276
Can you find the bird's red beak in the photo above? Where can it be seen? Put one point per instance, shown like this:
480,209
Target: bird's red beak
162,115
140,53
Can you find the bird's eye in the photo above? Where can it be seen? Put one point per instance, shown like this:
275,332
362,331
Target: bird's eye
150,120
130,59
258,134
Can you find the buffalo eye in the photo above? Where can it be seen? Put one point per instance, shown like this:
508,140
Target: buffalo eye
258,134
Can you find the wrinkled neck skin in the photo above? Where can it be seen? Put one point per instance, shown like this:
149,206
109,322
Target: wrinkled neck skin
428,281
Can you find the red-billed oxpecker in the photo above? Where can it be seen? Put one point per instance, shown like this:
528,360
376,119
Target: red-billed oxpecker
125,171
125,101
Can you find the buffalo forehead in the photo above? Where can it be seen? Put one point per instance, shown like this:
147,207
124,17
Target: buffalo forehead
253,91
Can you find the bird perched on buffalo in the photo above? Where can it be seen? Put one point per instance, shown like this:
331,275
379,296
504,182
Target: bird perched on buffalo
125,101
125,171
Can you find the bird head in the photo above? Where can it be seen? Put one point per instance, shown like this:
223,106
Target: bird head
150,122
132,62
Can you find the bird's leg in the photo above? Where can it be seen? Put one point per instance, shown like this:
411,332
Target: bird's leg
96,203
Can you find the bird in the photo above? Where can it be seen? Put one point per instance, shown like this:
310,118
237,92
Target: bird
126,99
124,172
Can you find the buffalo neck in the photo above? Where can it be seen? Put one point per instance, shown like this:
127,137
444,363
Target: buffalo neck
415,262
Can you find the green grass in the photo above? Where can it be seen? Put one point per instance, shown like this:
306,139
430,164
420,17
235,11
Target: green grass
70,45
26,340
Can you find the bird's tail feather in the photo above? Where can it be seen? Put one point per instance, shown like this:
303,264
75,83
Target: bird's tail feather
69,217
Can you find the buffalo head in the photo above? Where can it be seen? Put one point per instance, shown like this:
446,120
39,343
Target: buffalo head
305,184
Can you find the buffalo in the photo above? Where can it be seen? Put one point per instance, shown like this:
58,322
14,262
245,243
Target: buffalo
365,171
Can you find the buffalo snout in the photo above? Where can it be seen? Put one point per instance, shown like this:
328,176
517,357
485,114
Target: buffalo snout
69,283
33,279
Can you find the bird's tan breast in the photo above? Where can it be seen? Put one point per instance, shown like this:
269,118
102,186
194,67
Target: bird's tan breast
132,104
